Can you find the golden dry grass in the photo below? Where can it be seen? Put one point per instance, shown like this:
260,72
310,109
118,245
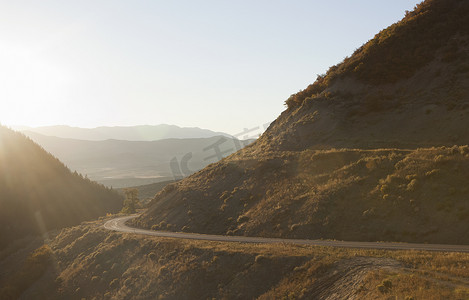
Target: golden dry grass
347,194
93,263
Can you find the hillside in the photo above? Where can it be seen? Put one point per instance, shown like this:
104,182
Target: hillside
408,87
88,262
129,133
38,193
364,153
120,163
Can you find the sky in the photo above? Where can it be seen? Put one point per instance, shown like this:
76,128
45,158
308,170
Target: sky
215,64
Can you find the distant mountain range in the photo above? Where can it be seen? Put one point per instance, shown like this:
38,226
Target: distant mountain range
119,163
132,133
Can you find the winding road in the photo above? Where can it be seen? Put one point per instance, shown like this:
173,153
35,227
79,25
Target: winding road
118,224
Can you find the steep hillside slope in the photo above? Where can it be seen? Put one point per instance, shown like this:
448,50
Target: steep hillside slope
88,262
38,193
392,195
408,88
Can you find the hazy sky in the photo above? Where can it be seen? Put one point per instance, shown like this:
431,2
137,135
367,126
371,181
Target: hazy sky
221,65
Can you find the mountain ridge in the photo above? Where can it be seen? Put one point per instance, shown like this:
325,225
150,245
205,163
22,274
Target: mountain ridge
130,133
121,163
352,157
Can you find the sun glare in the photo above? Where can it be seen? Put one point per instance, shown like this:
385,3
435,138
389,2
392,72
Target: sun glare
32,84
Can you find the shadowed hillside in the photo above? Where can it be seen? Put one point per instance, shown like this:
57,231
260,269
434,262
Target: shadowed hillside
38,193
336,163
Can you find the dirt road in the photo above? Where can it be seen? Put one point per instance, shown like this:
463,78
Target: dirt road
118,224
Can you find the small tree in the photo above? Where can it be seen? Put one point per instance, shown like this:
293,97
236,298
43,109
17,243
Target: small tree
131,201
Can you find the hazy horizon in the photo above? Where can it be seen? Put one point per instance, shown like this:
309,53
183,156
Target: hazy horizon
215,65
13,126
66,131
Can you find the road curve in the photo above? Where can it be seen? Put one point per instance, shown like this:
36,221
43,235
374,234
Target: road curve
118,224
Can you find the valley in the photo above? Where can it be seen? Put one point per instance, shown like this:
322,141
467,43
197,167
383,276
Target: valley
357,190
125,163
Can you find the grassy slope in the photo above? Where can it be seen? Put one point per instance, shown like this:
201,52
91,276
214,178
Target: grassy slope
407,87
37,192
293,182
89,262
433,28
405,195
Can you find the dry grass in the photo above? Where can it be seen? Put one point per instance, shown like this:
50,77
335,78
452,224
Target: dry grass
97,264
408,285
399,51
90,262
378,195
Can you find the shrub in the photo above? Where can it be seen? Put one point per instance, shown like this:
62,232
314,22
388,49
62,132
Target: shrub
387,283
382,289
260,258
152,255
412,185
114,283
242,219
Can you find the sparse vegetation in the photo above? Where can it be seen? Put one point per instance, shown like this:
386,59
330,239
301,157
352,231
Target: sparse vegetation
371,151
102,264
398,51
392,195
